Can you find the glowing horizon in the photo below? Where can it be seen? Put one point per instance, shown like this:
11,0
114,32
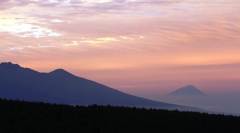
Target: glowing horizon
133,45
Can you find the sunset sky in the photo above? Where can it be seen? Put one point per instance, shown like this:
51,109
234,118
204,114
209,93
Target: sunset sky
143,47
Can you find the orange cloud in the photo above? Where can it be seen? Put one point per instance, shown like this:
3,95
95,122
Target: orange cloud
153,43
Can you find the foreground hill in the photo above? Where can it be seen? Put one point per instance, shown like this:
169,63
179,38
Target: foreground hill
22,117
60,86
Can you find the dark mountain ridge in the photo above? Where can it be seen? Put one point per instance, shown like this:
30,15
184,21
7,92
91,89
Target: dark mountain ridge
60,86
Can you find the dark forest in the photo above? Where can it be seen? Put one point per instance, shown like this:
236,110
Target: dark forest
25,117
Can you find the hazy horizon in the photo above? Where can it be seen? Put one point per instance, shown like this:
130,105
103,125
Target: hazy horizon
147,48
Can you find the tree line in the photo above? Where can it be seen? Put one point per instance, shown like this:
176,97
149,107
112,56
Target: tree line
25,117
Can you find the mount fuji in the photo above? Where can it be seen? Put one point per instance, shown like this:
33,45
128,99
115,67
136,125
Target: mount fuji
188,90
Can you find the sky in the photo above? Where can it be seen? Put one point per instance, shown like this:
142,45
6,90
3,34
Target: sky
143,47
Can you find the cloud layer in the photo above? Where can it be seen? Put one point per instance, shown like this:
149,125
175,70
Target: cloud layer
151,39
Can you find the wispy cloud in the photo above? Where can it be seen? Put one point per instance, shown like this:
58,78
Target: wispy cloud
122,34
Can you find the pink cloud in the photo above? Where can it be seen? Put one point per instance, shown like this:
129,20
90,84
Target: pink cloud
145,43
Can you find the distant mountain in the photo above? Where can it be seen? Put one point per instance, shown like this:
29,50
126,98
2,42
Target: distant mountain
188,90
60,86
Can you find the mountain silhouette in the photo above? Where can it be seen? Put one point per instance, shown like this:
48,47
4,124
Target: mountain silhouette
188,90
60,86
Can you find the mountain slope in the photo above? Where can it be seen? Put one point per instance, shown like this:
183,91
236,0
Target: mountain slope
59,86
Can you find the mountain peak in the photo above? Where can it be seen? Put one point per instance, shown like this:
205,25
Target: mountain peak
188,90
3,63
60,71
8,64
190,86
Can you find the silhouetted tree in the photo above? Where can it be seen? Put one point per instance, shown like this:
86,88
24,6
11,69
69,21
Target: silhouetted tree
19,116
